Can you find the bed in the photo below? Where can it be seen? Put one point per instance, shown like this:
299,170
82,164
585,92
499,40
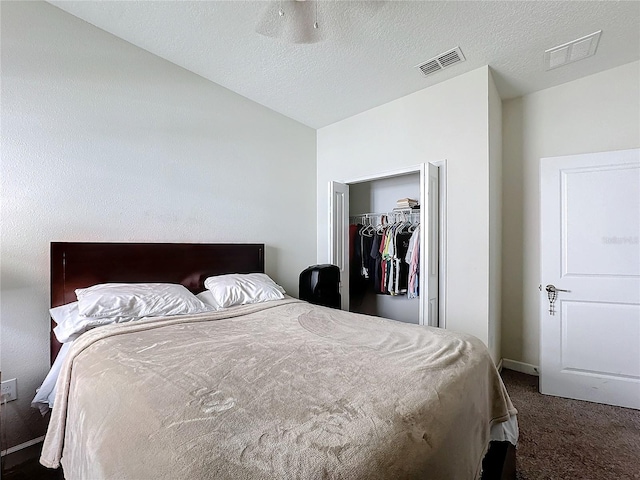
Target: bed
277,389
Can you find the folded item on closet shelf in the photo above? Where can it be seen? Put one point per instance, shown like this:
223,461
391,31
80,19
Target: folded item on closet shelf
415,209
406,203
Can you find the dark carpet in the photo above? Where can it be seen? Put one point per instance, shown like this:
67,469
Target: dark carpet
571,439
32,470
559,438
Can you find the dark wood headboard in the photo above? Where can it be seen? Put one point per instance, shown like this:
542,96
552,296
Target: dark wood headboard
80,265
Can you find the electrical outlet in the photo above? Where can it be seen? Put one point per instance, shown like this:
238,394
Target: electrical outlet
8,390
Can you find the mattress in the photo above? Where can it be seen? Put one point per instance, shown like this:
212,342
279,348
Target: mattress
283,389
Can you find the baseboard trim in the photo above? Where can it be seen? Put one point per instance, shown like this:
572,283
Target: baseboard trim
499,366
520,367
22,446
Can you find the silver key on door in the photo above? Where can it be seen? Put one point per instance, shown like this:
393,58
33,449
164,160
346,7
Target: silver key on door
552,293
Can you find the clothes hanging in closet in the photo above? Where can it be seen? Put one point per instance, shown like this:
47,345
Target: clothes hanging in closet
395,271
361,266
412,258
385,259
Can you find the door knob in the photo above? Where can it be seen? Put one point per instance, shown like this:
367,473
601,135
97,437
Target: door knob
552,288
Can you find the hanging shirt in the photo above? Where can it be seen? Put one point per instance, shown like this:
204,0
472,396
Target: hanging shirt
377,261
413,259
403,240
357,283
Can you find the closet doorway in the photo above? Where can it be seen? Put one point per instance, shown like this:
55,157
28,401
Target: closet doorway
373,200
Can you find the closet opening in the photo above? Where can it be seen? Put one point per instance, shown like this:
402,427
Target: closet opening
387,247
384,248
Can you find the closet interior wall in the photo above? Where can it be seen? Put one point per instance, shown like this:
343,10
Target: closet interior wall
381,196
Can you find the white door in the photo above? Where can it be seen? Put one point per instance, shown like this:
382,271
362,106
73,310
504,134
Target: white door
432,240
339,235
590,229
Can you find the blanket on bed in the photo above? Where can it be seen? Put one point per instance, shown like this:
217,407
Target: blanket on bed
280,390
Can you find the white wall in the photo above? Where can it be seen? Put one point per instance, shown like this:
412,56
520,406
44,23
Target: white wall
594,114
381,195
103,141
448,121
494,285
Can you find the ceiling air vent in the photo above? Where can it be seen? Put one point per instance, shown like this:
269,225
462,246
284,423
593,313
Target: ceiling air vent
442,61
572,51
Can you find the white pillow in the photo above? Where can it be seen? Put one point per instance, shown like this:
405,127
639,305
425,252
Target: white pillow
240,289
207,298
70,324
64,313
66,318
137,300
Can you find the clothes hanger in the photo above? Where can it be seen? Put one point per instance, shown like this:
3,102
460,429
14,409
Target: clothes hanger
403,223
368,229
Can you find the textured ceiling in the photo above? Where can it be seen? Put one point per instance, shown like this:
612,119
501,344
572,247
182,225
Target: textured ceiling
368,49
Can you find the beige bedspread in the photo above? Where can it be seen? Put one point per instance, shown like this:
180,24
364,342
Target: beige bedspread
284,390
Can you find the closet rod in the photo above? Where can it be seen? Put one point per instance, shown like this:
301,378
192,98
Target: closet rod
395,213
